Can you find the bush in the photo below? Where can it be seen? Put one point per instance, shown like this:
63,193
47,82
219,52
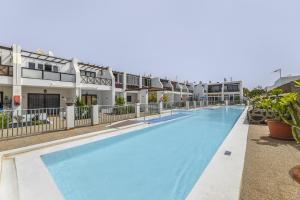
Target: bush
5,119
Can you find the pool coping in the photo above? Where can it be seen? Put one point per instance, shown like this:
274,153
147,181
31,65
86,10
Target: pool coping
222,177
44,187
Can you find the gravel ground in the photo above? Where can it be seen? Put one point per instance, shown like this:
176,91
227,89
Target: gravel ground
267,165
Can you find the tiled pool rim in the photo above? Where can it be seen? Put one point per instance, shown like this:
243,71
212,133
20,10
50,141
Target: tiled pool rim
226,168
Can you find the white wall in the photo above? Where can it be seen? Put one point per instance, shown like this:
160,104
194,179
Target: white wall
155,82
134,97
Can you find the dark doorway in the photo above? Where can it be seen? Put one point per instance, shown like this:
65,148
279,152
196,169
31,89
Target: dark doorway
89,99
1,100
43,101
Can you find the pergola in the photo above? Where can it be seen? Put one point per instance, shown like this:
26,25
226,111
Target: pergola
44,57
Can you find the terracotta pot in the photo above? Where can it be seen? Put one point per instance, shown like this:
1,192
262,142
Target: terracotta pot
280,130
295,173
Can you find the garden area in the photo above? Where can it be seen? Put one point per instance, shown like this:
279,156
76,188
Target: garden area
272,162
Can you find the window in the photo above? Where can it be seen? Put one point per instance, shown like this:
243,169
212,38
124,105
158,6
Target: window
93,74
82,73
48,68
40,66
0,60
31,65
128,98
55,68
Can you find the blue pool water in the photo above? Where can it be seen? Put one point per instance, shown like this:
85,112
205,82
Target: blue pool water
158,163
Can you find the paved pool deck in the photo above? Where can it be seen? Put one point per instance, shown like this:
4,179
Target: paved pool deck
267,165
47,137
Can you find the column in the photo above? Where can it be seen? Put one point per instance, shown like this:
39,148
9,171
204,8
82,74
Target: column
17,83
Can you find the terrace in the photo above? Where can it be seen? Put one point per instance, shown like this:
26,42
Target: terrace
94,74
46,67
215,88
232,87
47,75
132,82
166,85
146,82
176,86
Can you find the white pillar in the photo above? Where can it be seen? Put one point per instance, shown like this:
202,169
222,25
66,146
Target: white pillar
159,95
160,107
70,117
137,110
195,104
76,69
187,105
17,83
113,87
95,115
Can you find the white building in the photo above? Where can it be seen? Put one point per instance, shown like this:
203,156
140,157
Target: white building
37,80
31,80
220,91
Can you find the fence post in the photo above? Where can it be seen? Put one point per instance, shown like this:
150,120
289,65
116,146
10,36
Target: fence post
95,115
187,105
70,117
137,110
160,107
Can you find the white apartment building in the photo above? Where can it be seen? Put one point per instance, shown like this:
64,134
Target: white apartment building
36,80
30,80
232,91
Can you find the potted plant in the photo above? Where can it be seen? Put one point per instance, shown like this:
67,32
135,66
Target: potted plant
279,125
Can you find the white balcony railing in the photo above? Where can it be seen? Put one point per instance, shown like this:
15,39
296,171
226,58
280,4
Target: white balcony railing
45,75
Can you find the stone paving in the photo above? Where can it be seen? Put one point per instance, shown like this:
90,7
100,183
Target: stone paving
267,165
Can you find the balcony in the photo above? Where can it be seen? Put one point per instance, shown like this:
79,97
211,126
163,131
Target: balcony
119,85
146,82
96,80
6,70
47,75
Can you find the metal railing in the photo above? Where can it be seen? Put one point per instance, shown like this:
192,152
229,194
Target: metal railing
26,122
110,114
6,70
149,109
96,80
83,116
191,104
47,75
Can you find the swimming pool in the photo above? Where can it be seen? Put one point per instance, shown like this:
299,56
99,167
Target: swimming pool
162,162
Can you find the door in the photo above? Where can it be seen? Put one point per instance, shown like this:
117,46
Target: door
43,101
1,100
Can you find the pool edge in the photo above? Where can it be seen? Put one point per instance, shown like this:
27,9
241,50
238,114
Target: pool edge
222,177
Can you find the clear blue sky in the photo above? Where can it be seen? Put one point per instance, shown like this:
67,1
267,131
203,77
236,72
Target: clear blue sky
192,39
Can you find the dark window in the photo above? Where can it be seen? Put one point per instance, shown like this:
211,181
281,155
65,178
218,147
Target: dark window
82,73
31,65
93,74
0,60
88,74
1,100
128,98
55,68
40,66
48,68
